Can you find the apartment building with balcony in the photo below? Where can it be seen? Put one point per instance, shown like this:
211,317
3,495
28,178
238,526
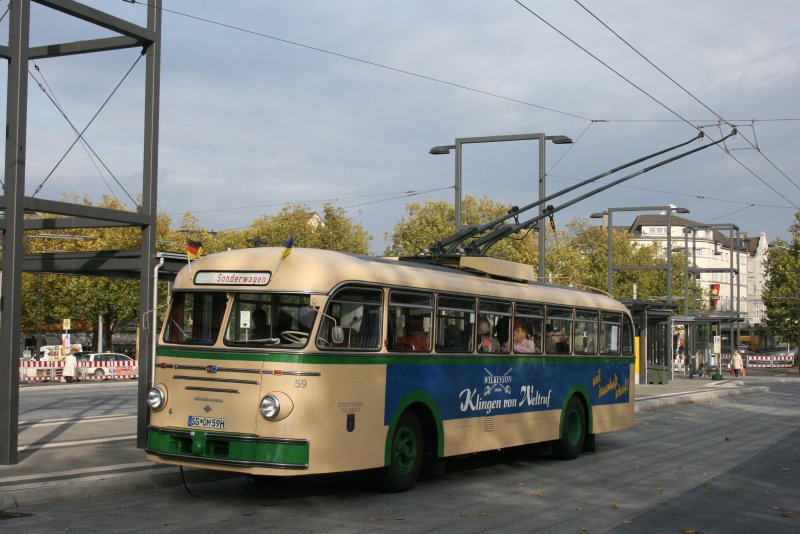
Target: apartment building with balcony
730,270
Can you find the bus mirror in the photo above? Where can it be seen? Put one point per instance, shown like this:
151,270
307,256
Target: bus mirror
337,334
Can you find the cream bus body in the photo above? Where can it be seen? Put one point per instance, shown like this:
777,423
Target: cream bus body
345,406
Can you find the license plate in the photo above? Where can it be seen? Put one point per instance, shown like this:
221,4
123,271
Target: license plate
207,422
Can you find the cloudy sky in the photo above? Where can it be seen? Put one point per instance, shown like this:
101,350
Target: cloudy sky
260,107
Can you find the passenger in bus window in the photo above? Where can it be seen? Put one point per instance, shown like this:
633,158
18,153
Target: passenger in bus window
501,333
486,343
523,344
259,329
454,339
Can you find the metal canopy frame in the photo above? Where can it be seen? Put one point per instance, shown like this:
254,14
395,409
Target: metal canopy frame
612,268
733,318
14,203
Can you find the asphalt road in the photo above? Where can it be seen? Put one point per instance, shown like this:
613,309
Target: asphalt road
730,466
42,402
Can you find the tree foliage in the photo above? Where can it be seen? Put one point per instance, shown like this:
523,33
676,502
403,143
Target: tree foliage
577,252
781,293
48,298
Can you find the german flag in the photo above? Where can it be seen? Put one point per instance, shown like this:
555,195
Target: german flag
194,249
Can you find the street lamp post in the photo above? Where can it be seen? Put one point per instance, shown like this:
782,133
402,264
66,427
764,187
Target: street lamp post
734,246
540,137
607,216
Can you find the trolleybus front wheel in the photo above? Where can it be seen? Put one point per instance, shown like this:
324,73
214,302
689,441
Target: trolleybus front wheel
573,431
405,457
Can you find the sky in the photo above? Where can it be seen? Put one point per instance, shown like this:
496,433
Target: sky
265,103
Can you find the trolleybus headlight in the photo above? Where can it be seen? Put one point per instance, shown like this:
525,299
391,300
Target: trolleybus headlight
275,406
270,407
156,398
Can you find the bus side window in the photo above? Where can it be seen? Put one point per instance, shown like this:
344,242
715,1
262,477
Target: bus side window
358,311
455,324
559,330
585,332
498,317
410,320
627,337
610,333
530,318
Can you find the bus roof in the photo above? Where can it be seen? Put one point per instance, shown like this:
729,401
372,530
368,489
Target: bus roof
309,270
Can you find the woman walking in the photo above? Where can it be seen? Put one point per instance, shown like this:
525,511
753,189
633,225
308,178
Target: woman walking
736,362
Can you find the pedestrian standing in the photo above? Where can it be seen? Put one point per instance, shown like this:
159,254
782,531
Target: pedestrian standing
736,362
70,363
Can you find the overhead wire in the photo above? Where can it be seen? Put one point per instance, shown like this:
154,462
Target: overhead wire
670,78
640,89
364,61
687,195
492,94
405,194
729,213
571,146
326,200
414,74
84,143
80,134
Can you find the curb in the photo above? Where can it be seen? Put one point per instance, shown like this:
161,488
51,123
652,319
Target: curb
74,488
63,488
657,402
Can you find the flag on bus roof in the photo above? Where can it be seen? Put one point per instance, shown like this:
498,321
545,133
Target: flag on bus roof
194,249
287,248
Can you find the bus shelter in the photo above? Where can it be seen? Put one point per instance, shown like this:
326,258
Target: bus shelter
704,343
653,326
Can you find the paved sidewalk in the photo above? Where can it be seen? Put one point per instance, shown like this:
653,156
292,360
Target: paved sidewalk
80,459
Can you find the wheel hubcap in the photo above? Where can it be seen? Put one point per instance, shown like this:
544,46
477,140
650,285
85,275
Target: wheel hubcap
405,450
573,427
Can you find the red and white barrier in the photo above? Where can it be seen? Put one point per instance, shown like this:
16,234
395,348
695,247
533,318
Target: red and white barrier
777,360
38,371
750,360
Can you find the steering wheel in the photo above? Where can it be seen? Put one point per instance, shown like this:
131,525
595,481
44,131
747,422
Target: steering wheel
322,342
295,336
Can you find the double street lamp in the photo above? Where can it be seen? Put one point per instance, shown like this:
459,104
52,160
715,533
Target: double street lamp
607,220
540,137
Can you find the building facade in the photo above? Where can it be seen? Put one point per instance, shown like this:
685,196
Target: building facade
729,270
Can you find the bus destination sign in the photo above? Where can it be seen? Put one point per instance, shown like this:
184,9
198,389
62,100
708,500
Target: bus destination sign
232,278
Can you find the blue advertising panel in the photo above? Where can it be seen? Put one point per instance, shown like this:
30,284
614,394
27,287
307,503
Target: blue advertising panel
476,390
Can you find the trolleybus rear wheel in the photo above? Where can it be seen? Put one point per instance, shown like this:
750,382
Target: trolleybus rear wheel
573,431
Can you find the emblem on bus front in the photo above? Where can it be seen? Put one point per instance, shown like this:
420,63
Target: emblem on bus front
212,369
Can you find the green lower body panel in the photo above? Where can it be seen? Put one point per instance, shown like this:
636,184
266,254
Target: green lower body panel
227,449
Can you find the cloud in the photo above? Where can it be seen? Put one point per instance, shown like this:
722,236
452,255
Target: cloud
252,121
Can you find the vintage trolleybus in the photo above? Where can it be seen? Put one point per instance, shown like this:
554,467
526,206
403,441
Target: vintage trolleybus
322,362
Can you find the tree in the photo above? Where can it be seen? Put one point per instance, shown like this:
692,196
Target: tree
52,297
48,297
577,252
781,293
424,224
332,230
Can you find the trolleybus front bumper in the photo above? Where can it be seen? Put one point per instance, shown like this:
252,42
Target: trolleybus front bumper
221,448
